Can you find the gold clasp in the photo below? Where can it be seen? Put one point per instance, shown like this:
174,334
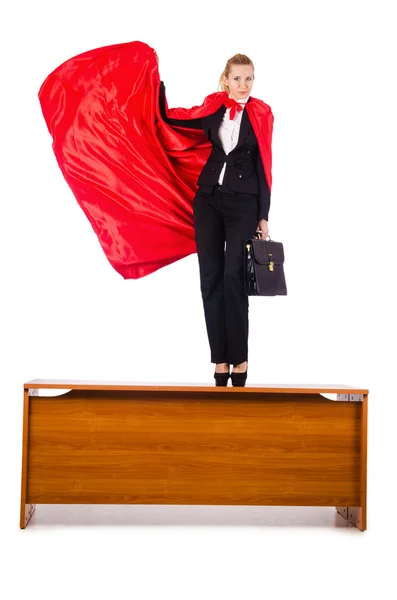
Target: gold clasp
271,266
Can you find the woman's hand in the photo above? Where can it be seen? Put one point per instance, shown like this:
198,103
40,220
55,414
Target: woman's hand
262,225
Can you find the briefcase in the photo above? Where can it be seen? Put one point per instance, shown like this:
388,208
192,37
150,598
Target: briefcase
264,267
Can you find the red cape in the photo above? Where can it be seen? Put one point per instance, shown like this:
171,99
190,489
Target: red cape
133,175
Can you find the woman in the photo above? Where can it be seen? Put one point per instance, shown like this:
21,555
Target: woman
231,203
158,185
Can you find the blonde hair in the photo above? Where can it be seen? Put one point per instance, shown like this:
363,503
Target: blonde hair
237,59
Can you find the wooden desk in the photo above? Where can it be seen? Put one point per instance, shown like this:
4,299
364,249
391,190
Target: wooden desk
128,443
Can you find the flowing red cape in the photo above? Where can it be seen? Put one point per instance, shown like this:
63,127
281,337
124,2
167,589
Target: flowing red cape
133,175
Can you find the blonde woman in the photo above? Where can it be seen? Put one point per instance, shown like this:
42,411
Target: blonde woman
232,203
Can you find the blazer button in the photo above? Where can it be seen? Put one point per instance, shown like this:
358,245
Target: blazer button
240,176
248,151
213,169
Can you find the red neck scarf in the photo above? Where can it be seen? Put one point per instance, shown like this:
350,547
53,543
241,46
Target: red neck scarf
234,106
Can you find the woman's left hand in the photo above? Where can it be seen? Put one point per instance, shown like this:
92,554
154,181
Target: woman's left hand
263,226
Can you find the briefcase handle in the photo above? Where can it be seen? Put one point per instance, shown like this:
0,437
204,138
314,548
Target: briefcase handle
259,235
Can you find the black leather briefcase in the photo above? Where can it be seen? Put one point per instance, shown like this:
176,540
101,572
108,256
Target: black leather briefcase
264,267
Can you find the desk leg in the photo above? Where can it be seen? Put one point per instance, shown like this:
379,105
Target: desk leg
27,514
357,515
342,510
27,510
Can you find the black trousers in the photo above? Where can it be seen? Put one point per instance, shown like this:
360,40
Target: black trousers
221,217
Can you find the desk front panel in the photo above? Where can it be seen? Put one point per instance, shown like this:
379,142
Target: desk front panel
115,447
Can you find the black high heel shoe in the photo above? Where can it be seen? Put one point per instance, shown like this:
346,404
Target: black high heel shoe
239,379
221,378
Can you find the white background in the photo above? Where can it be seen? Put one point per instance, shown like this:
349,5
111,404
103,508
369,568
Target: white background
327,69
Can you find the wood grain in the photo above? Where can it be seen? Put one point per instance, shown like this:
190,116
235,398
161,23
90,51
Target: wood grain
154,447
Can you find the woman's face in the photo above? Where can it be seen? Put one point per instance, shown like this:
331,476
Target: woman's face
240,80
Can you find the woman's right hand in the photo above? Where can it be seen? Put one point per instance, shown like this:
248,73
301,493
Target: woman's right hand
263,226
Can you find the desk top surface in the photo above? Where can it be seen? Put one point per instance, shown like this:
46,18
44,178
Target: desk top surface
291,388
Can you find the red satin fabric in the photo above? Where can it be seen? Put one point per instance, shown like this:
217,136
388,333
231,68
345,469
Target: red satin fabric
133,175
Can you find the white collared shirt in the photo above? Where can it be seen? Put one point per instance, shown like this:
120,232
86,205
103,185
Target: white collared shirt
229,131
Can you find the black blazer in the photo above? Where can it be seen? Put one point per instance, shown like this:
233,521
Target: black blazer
244,172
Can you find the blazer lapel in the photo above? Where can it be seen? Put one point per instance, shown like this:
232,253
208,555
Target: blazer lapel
216,120
244,128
